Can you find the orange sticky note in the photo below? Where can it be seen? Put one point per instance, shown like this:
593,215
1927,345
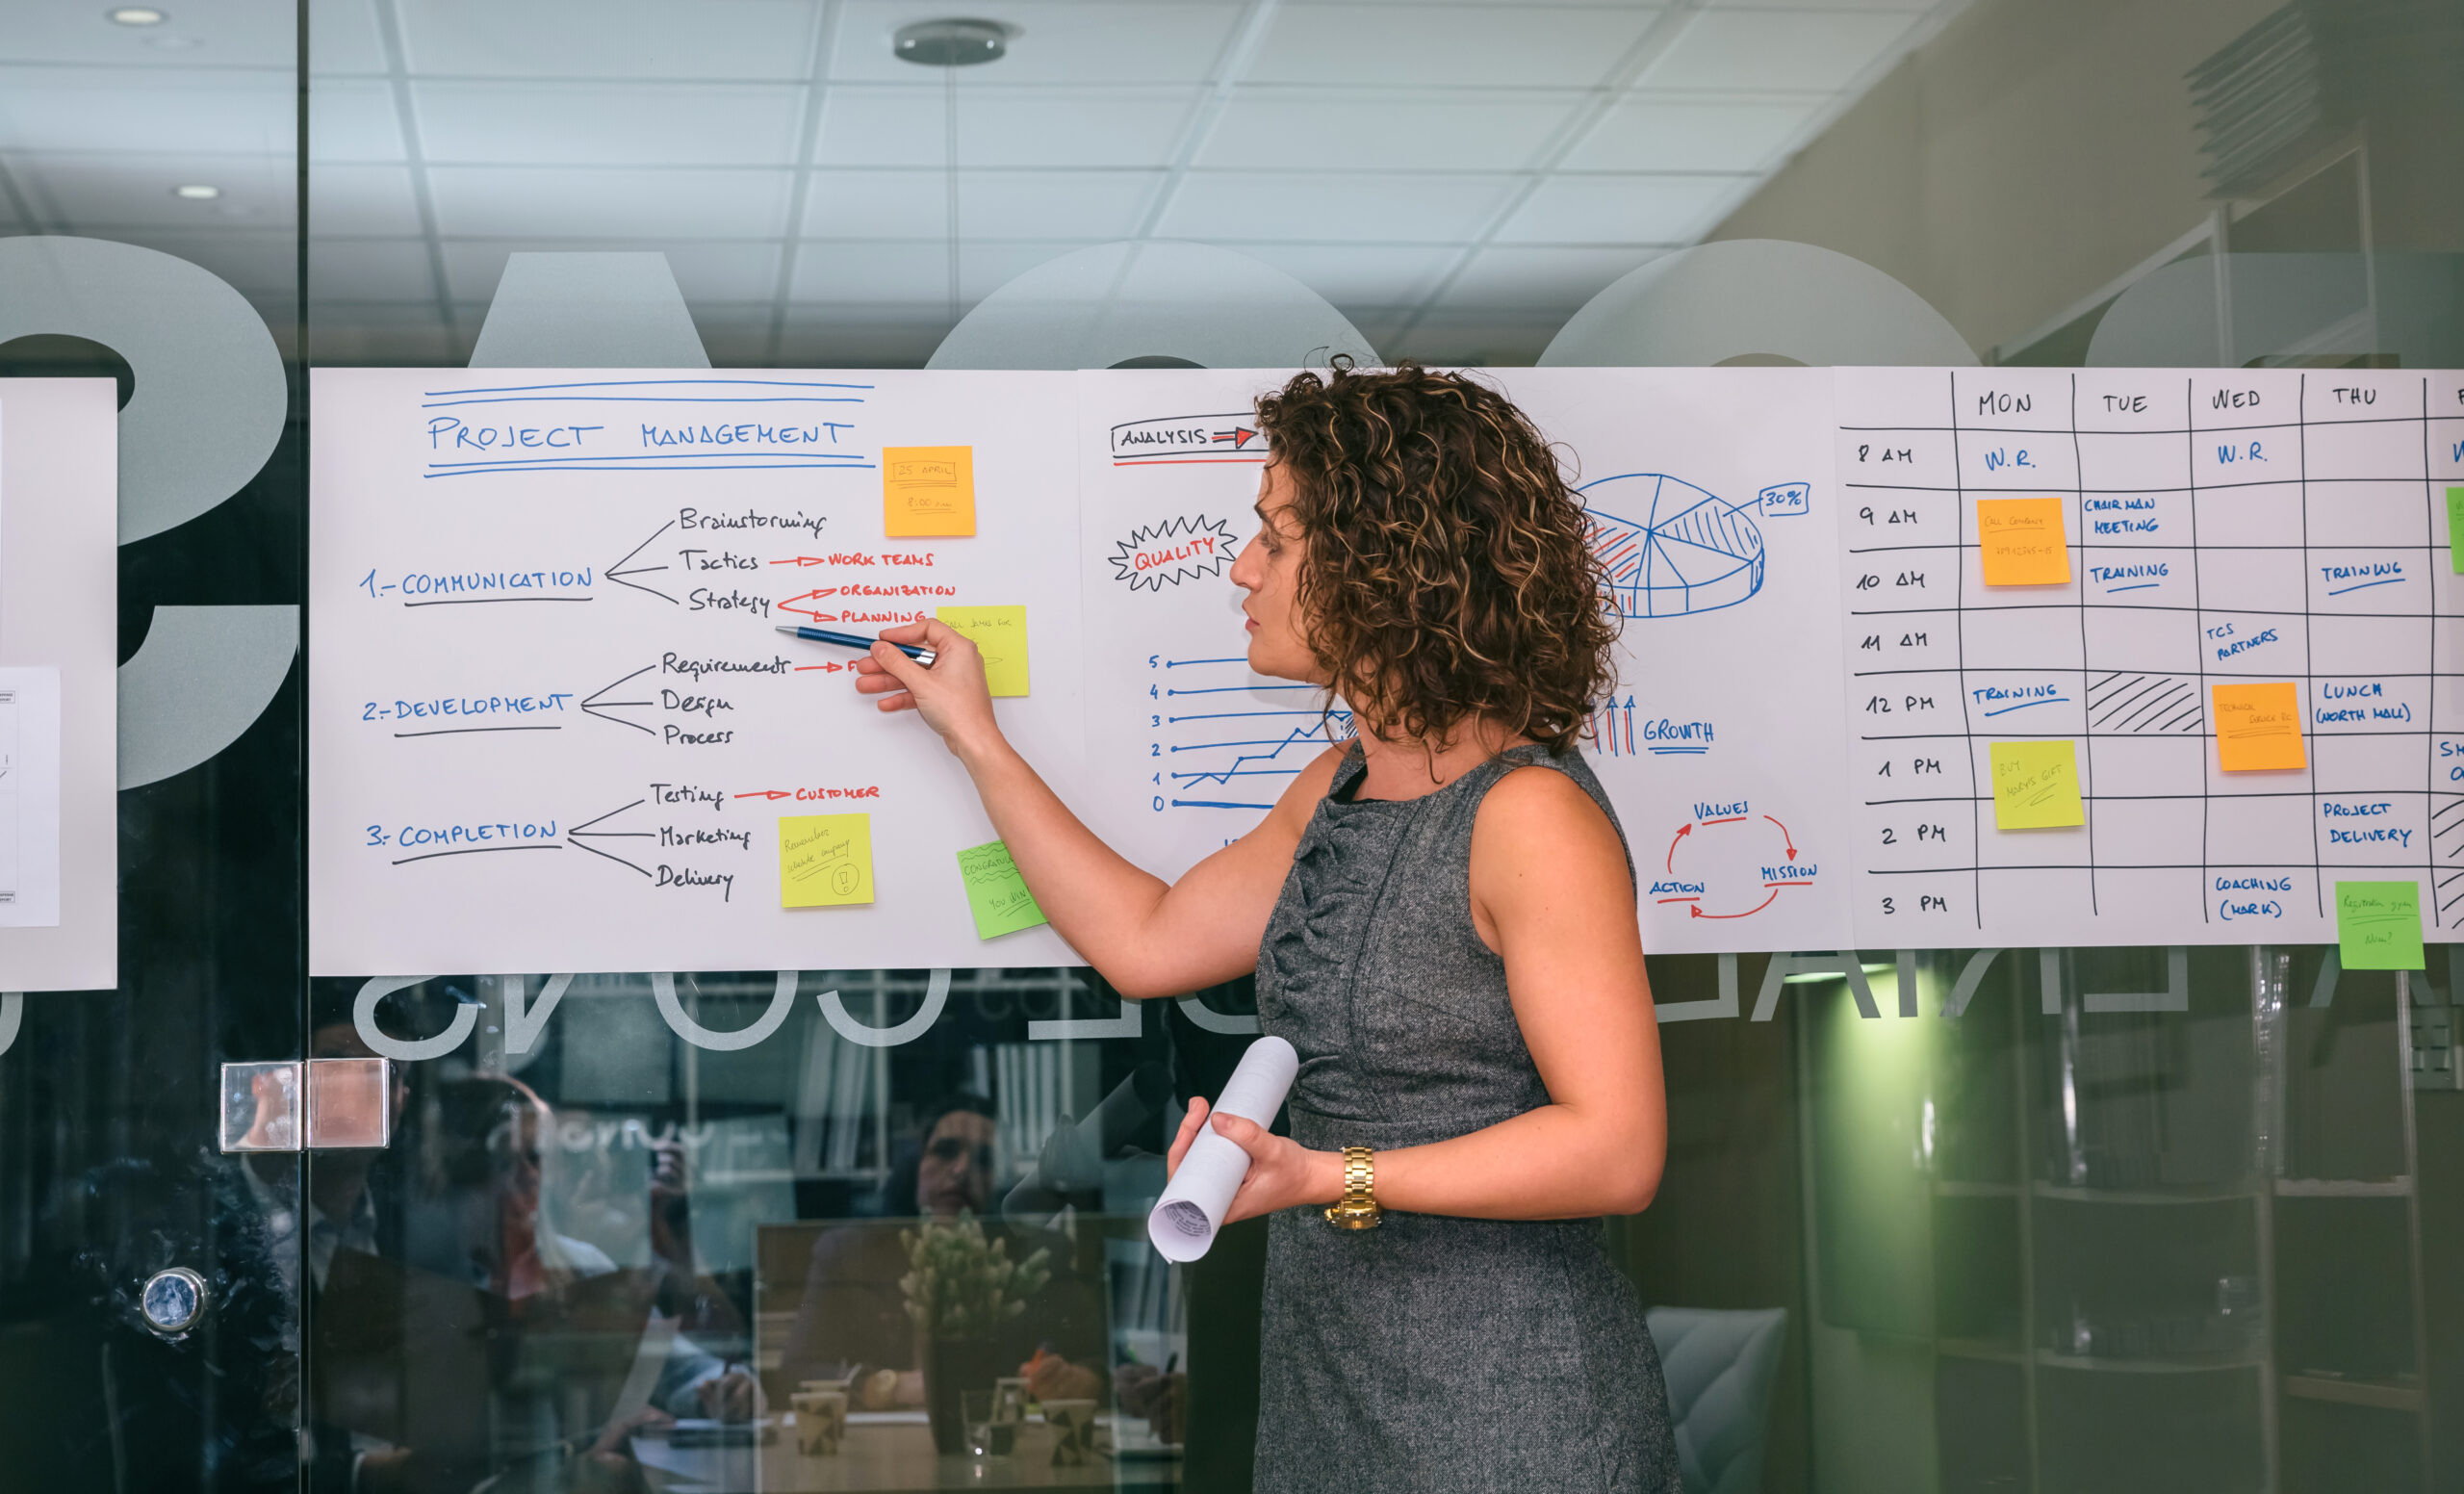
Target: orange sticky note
928,490
2258,727
2022,542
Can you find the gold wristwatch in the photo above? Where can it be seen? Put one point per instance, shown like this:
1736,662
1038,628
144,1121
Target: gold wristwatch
1357,1208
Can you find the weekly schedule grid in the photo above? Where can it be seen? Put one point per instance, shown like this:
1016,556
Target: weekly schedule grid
2227,530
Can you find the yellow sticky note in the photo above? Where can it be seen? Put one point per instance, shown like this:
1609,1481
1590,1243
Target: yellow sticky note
825,860
1000,634
2021,541
928,490
2258,727
2035,785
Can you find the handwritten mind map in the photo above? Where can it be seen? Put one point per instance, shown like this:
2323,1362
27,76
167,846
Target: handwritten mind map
2251,645
553,722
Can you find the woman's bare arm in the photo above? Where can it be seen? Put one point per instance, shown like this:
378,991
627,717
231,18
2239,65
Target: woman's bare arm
1550,894
1147,937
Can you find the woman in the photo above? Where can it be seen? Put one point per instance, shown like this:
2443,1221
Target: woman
1446,936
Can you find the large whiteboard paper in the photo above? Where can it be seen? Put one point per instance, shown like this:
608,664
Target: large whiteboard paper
59,658
553,726
1812,673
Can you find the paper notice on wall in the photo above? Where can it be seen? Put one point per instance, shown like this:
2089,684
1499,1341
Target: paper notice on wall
29,797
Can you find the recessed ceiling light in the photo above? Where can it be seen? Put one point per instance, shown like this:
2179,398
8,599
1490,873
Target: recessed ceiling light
957,42
135,16
197,192
169,43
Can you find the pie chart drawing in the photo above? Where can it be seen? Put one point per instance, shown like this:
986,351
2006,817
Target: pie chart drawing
1692,551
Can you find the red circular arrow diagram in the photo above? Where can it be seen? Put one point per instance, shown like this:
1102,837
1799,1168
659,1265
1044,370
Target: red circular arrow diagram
1776,876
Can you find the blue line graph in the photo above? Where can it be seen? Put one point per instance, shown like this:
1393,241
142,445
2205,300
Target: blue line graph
1197,753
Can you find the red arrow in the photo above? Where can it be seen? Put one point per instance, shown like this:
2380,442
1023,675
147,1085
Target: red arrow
1682,832
833,668
801,560
1785,835
1748,913
767,793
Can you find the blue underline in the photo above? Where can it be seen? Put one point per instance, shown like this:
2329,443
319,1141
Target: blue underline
2366,585
2051,700
647,383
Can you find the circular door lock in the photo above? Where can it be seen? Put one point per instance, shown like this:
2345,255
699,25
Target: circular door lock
173,1300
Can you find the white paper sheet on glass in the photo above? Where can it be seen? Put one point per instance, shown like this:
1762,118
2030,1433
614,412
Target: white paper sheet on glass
29,797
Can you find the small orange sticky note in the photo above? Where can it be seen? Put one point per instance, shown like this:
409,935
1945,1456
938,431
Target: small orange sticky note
2022,542
928,490
2258,727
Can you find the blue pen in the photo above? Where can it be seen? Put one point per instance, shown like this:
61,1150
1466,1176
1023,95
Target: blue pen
853,640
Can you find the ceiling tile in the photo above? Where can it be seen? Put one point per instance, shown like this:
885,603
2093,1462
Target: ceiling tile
255,262
187,111
343,39
608,123
1269,128
370,269
1541,278
886,125
703,272
1360,274
1084,205
846,336
887,270
132,191
353,119
207,33
360,199
1661,134
609,202
1818,5
1055,42
1618,209
1775,49
609,38
1239,206
342,334
1475,46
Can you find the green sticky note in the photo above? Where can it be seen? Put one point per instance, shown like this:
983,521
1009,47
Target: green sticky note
2379,925
2455,528
995,893
2035,785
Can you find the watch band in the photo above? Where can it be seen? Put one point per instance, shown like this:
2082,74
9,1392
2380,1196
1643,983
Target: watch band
1357,1208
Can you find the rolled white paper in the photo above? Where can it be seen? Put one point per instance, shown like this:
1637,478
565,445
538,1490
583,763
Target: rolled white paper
1186,1218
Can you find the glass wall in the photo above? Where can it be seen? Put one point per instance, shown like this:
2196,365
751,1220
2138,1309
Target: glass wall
2015,1220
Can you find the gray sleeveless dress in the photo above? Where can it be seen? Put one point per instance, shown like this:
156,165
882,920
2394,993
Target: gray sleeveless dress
1429,1354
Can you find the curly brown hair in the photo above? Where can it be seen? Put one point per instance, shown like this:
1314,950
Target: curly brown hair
1447,574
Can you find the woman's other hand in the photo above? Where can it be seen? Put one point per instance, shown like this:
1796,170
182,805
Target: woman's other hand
952,695
1282,1173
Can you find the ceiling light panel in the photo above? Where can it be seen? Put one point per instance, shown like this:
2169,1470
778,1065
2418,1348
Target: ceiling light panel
755,40
1438,46
122,193
1663,134
238,33
1618,209
592,202
881,124
1234,207
608,123
892,204
1767,50
1281,127
1075,43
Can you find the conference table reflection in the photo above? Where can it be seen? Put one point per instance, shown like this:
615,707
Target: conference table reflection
892,1451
